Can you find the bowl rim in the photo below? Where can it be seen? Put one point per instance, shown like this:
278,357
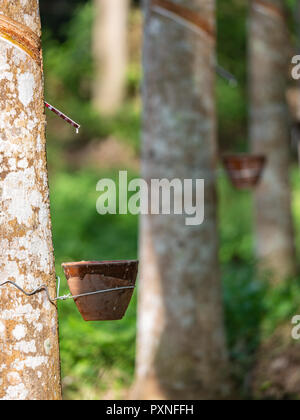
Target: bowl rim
97,263
244,156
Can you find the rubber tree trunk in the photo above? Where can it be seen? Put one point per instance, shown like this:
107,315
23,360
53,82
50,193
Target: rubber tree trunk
110,54
269,134
181,351
29,353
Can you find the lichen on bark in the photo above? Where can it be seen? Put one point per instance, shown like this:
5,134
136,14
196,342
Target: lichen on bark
28,368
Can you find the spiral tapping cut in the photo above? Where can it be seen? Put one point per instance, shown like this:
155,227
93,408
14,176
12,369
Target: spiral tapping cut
194,22
21,37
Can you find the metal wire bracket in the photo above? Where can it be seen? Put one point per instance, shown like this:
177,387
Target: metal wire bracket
44,288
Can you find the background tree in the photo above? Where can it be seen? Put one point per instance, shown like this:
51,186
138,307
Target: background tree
29,354
181,346
110,54
269,133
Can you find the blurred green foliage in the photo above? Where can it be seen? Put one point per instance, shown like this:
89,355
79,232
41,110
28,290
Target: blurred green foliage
88,350
253,309
98,358
232,54
70,62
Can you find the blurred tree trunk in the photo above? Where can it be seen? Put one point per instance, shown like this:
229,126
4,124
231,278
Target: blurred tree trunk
181,351
269,134
29,353
110,54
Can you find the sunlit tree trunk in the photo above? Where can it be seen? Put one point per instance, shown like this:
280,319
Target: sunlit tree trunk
29,353
181,351
269,134
110,54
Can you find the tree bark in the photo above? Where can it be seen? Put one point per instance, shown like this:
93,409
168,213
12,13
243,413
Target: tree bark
29,352
110,54
269,135
181,351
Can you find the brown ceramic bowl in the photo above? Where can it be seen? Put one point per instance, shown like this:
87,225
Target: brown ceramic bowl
91,276
244,170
